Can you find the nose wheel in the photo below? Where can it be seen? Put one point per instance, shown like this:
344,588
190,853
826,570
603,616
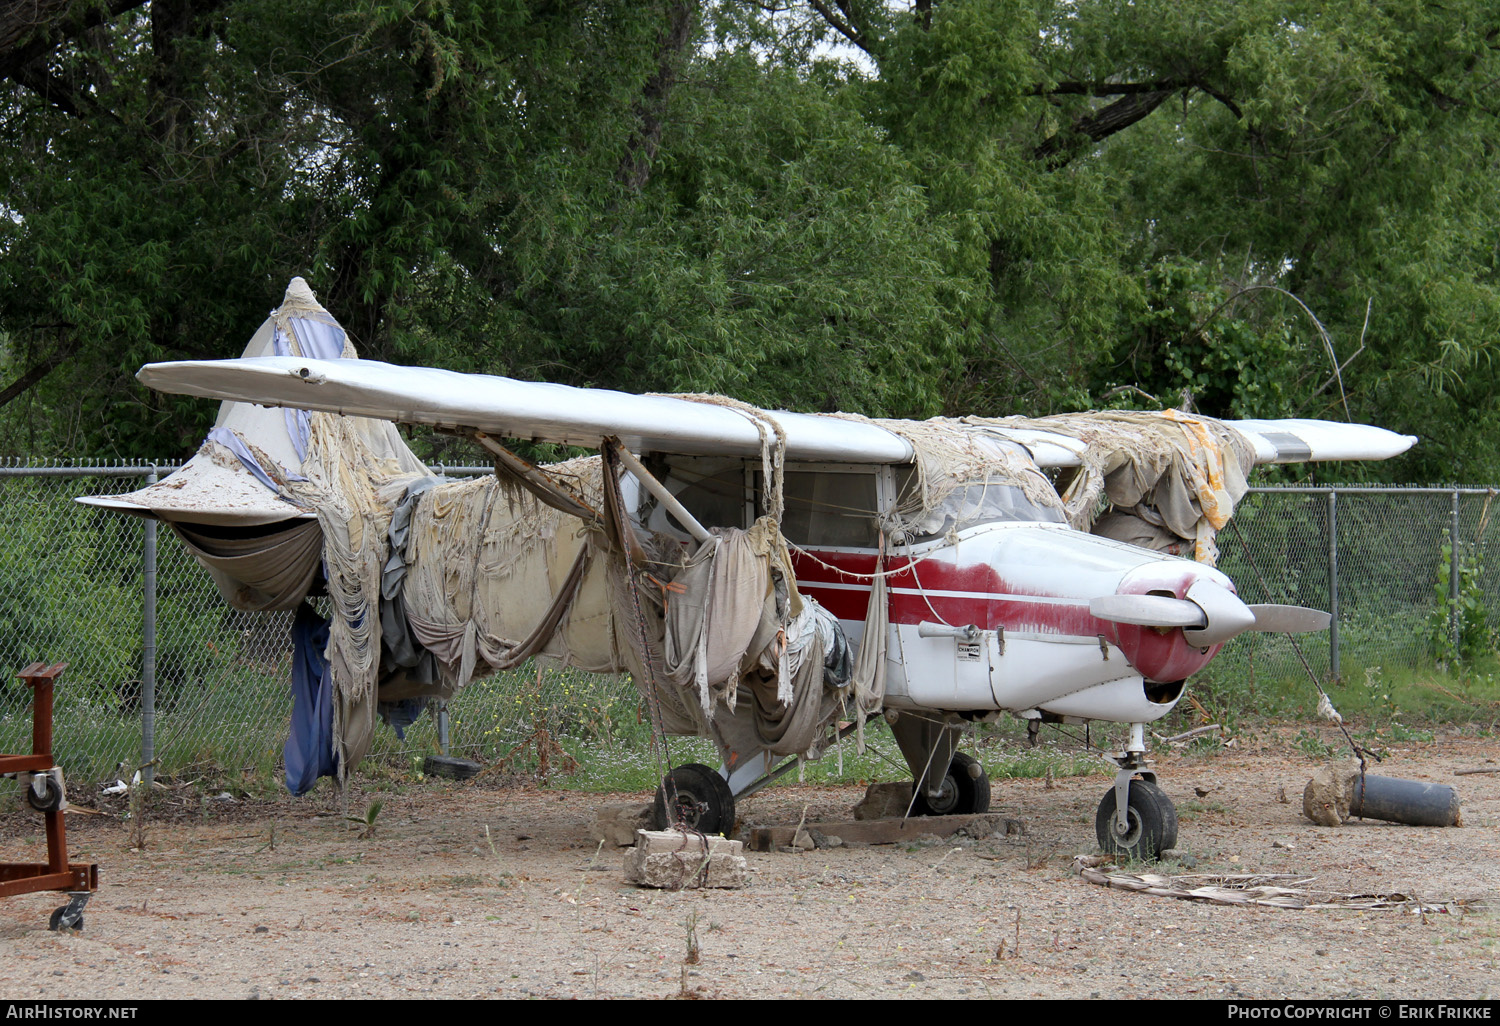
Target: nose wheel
1150,826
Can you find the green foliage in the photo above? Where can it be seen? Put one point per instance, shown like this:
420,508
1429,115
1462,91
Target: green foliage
368,821
1314,746
1459,628
1188,342
998,207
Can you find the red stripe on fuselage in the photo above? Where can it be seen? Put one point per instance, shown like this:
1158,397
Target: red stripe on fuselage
976,591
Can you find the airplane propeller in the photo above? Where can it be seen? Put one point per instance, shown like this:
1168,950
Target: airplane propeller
1270,617
1209,615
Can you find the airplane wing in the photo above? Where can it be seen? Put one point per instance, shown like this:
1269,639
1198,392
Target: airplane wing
1274,441
507,408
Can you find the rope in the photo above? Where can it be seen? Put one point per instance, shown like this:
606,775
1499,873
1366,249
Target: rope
1359,750
772,458
913,561
660,750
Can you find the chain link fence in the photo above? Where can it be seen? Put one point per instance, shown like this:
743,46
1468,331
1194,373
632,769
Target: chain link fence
75,589
1380,559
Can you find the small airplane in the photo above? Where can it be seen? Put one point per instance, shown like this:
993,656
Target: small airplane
770,579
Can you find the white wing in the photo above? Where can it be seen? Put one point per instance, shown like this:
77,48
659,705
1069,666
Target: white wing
1274,441
505,407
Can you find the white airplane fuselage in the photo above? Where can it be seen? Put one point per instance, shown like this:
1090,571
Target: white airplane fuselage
1033,647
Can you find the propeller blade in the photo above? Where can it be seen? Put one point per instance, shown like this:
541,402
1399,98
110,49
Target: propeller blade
1148,610
1289,619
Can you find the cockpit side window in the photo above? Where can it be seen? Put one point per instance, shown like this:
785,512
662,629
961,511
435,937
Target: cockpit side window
830,508
714,490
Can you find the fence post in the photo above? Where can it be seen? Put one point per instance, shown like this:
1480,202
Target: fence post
1333,584
148,648
1453,574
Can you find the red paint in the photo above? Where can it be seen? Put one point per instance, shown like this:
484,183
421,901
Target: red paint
1159,655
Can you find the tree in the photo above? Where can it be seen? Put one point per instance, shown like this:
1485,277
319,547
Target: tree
1189,194
998,207
477,187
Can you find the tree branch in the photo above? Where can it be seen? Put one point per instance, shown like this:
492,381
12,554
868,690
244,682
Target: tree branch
1058,150
1133,89
36,373
30,29
58,93
1106,88
844,27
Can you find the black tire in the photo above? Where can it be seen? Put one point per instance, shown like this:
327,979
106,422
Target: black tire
56,922
696,797
49,802
450,766
963,794
1153,823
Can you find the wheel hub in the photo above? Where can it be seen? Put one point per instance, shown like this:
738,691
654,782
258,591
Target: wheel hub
1131,835
687,809
947,797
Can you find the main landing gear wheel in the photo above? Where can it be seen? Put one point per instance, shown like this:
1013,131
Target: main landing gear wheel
965,790
697,797
1152,823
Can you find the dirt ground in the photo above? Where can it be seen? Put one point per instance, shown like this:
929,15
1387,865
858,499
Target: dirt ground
481,891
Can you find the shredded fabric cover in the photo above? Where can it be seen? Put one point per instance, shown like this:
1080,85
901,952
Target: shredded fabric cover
434,583
1178,475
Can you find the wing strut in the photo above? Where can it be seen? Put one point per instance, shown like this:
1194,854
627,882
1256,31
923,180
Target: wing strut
537,481
656,488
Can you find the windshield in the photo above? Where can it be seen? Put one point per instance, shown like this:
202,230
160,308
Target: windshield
984,502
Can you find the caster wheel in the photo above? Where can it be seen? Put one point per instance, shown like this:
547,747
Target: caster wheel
50,801
60,917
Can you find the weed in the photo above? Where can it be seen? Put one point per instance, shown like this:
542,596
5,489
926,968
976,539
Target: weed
1193,809
1313,746
694,953
1458,628
138,801
549,756
367,821
1015,945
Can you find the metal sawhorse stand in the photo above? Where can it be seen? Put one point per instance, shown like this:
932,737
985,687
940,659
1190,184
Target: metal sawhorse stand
46,793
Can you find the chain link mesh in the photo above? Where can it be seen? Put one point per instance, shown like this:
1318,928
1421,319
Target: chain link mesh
73,588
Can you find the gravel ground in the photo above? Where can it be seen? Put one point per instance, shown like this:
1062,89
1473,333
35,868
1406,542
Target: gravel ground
482,891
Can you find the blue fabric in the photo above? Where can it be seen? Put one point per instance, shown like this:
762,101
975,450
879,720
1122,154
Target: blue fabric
315,340
400,715
309,750
231,441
